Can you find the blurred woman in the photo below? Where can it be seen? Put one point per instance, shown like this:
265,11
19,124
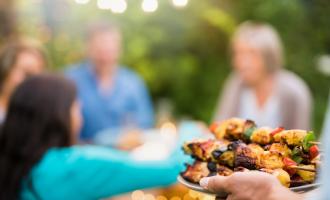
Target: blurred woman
260,89
265,186
18,60
39,158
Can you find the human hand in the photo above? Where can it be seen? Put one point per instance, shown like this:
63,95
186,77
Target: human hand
130,140
251,185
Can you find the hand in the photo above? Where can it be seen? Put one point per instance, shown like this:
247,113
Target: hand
130,140
251,185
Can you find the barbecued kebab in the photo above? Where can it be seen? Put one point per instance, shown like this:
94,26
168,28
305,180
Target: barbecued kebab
195,172
223,158
246,130
273,158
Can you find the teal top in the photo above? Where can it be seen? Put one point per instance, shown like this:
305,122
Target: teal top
90,172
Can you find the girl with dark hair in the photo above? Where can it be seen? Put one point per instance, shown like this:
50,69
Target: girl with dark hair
39,158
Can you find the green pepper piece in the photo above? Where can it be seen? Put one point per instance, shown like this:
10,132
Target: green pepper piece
248,132
309,138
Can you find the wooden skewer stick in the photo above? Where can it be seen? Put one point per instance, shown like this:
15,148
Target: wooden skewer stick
313,142
316,162
299,181
302,168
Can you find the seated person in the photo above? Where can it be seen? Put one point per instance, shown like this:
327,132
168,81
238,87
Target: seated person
18,60
259,89
254,185
112,96
39,158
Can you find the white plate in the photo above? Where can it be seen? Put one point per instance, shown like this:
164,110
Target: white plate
197,187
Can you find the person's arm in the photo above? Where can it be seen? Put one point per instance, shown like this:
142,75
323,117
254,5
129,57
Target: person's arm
104,173
303,109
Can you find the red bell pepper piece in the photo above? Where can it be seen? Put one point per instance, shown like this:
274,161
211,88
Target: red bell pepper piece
288,163
214,127
313,151
277,130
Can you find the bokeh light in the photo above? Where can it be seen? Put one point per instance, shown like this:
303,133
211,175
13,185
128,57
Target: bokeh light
104,4
187,197
137,195
194,194
180,3
118,6
82,1
149,197
149,5
168,128
161,198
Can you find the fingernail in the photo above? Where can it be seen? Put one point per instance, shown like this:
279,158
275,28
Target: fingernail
204,182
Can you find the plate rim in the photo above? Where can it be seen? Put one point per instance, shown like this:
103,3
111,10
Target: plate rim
198,188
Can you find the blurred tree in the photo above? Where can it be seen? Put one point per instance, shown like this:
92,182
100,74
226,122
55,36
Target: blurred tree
7,20
183,54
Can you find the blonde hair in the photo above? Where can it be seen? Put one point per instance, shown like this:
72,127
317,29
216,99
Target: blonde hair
264,38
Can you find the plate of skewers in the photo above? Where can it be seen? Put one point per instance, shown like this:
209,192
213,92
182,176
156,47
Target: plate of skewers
293,156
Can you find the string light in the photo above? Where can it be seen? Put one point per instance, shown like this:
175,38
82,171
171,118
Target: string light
118,6
149,5
82,1
180,3
104,4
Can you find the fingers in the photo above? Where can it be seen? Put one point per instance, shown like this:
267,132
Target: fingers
215,183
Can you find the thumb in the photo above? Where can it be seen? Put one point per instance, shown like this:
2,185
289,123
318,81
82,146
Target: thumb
215,183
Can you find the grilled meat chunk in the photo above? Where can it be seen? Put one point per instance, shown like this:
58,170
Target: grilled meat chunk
224,171
262,136
194,173
245,157
291,137
280,148
271,160
203,149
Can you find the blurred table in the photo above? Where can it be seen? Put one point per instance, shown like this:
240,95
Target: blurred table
158,144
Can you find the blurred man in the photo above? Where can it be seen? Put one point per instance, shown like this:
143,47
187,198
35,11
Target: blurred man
112,96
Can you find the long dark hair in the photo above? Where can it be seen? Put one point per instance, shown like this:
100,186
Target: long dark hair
38,118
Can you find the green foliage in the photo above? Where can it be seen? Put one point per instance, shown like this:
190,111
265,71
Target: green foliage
183,53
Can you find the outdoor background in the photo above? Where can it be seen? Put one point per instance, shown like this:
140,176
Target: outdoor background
182,53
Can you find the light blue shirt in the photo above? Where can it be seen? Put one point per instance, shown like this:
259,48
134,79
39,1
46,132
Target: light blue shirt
127,103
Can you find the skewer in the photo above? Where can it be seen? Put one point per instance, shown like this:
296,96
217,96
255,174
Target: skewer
303,168
316,162
299,181
314,142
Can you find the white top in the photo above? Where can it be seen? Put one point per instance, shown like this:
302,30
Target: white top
268,115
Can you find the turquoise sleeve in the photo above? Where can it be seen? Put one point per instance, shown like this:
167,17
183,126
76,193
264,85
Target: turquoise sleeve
108,172
105,173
